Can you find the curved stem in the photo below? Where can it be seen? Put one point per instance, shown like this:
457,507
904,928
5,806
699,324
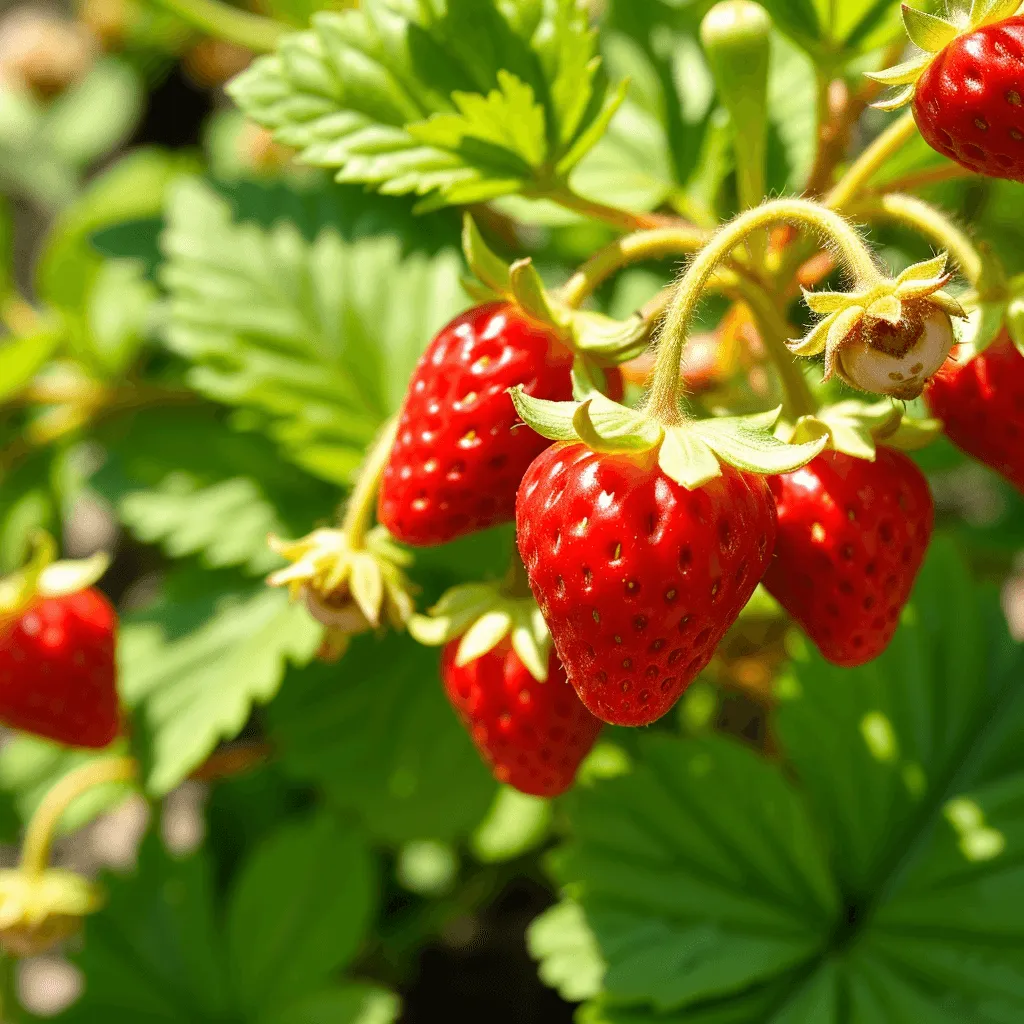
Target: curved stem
622,220
35,852
258,34
653,244
925,219
849,247
860,172
363,500
774,331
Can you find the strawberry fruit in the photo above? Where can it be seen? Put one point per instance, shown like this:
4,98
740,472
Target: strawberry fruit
981,404
460,450
533,734
969,102
57,670
852,537
638,578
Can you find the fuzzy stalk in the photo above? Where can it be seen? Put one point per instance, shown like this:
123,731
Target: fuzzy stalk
362,502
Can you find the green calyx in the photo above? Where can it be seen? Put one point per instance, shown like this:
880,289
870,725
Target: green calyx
995,306
856,428
483,615
690,453
43,577
932,34
598,339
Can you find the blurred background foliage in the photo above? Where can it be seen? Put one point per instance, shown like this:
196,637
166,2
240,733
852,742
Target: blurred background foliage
202,336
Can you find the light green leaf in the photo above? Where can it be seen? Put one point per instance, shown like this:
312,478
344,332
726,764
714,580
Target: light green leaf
351,1003
299,910
461,101
607,426
377,735
686,458
191,687
798,19
488,631
927,31
306,335
555,420
489,268
529,292
118,311
987,12
569,957
21,358
515,824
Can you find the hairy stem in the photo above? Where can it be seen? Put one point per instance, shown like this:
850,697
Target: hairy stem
925,219
652,244
257,33
363,500
860,172
849,247
35,852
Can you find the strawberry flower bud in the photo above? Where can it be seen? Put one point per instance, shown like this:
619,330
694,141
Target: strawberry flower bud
38,910
889,338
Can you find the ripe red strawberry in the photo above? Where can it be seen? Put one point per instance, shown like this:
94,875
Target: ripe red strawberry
461,451
533,735
57,670
852,537
638,578
981,403
969,102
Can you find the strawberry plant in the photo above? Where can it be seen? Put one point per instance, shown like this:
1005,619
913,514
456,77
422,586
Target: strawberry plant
511,510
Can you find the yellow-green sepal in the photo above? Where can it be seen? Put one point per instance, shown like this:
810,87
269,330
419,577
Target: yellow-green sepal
483,616
856,428
40,909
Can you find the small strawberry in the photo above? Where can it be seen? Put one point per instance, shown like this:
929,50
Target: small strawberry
533,734
461,451
981,404
638,578
57,669
852,536
969,103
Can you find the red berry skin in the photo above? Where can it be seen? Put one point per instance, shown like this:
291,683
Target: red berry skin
852,537
637,577
981,404
461,449
57,670
969,103
533,735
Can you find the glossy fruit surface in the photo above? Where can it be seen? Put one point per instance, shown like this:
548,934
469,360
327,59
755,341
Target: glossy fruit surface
533,735
461,450
57,670
638,578
981,404
969,103
852,537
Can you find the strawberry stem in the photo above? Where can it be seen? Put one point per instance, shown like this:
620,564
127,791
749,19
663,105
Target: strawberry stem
35,852
362,502
654,244
926,220
253,31
860,172
850,249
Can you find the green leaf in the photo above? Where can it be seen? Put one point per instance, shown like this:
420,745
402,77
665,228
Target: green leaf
569,957
686,458
464,100
926,31
798,19
192,669
31,766
21,358
306,335
377,735
118,312
554,420
298,912
747,443
515,824
607,426
186,481
153,953
700,873
351,1003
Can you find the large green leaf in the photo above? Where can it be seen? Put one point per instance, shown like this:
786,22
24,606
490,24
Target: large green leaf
318,338
351,1003
183,479
377,735
153,953
885,889
193,667
298,913
465,99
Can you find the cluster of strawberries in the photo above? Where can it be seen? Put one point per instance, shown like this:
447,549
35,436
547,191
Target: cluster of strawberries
637,578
